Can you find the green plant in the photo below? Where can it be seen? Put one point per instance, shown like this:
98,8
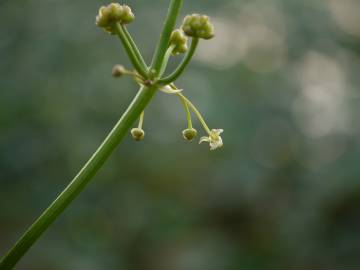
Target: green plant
112,19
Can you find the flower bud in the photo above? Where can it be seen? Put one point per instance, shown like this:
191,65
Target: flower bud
118,71
189,134
113,13
127,15
179,40
138,134
198,26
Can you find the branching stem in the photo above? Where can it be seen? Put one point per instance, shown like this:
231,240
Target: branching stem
134,48
197,113
170,21
97,160
130,52
180,69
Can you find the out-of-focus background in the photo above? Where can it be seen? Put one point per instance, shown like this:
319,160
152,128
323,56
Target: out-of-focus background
281,78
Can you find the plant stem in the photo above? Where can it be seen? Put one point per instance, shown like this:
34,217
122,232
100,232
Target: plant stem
130,52
170,21
186,108
166,59
133,112
141,120
173,76
197,113
134,48
81,180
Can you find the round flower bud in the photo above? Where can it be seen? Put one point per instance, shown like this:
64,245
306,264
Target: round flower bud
189,134
138,134
198,26
113,13
127,15
118,71
179,40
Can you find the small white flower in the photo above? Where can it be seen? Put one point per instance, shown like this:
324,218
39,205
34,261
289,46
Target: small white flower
214,139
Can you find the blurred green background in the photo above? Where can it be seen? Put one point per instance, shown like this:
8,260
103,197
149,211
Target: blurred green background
281,78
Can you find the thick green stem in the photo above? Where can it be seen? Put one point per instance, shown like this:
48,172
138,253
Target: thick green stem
180,69
130,52
81,180
170,21
134,48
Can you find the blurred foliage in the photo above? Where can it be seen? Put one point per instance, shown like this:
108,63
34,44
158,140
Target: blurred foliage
281,78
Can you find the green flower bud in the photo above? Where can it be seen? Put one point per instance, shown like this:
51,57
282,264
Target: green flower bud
198,26
127,15
179,40
118,71
113,13
138,134
189,134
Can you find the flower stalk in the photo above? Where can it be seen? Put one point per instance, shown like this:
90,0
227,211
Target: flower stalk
187,110
112,19
166,59
196,111
134,48
81,179
180,69
97,160
169,25
137,63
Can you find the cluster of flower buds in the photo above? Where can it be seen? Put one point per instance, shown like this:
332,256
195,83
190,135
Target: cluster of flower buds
198,26
195,26
113,13
179,41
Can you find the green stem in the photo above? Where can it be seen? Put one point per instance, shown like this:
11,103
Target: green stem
186,108
170,21
81,180
130,52
197,113
134,48
173,76
106,148
141,120
166,59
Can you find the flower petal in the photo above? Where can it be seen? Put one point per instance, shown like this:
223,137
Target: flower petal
204,139
168,90
218,131
216,144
